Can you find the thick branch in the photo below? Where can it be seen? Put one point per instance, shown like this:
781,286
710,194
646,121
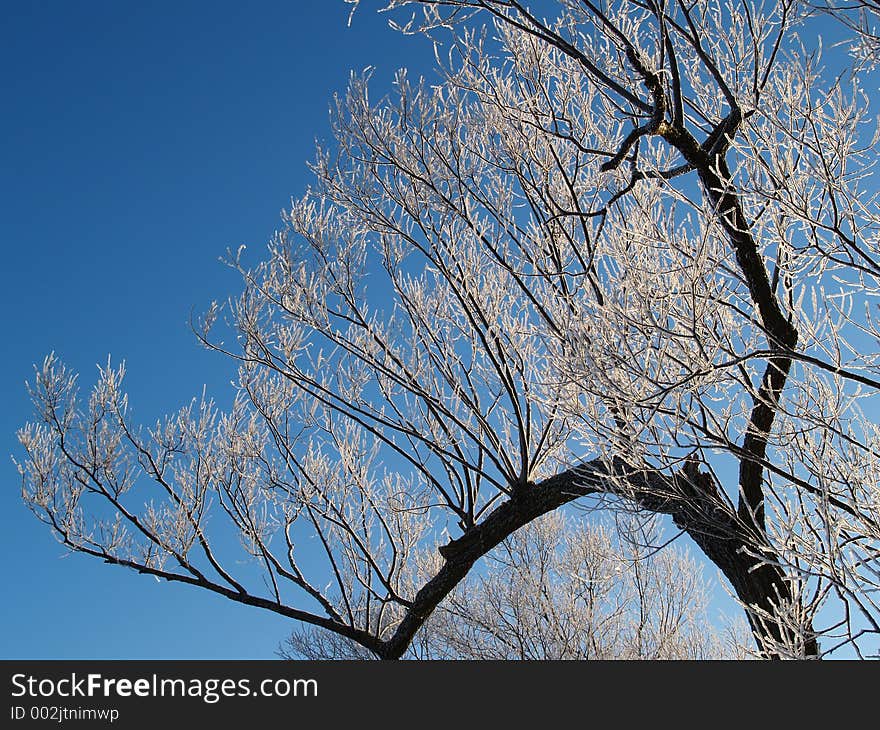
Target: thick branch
690,497
529,503
709,161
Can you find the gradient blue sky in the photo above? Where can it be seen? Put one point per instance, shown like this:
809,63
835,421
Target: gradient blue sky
138,141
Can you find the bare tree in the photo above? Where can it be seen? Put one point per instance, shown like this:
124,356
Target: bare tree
626,254
563,587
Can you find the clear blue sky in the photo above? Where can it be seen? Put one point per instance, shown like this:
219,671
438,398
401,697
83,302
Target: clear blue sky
138,141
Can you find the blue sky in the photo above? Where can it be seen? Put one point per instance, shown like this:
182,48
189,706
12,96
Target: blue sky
137,143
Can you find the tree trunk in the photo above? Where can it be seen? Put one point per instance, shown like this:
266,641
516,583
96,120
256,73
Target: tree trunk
758,584
691,498
735,545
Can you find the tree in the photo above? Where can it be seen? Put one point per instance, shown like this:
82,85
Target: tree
563,588
627,255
